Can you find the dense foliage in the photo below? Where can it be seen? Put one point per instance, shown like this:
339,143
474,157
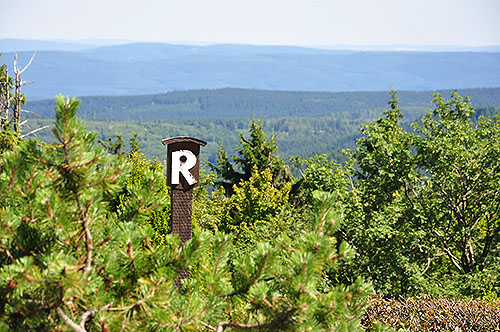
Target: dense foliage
421,206
293,136
78,251
423,213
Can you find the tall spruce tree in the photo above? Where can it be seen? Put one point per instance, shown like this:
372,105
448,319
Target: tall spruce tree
259,151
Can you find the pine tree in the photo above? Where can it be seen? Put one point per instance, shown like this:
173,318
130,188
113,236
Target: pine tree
258,151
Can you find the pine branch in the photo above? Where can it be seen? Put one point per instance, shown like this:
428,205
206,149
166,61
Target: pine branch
223,325
34,131
253,280
208,326
11,183
85,316
89,247
26,111
16,70
69,322
7,252
83,319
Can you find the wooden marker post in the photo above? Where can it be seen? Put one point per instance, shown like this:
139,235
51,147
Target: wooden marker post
183,174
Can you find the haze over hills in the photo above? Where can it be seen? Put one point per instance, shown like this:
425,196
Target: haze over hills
147,68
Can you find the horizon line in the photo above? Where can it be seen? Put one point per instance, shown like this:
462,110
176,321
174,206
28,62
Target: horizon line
386,46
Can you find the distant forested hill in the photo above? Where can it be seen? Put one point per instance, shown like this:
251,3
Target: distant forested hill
304,123
246,103
294,135
145,68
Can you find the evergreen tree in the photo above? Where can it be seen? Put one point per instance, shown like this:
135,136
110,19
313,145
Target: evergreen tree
258,151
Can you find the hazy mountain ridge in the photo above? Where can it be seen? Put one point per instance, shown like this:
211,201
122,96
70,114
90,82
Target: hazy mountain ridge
146,68
19,45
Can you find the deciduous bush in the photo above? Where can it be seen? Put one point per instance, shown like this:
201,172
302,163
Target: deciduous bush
425,207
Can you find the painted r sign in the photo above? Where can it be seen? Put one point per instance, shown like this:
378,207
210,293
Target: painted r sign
182,162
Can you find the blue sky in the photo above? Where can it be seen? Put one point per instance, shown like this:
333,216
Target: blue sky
276,22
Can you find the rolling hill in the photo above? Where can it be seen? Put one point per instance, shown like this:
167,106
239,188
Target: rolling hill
304,123
148,68
231,103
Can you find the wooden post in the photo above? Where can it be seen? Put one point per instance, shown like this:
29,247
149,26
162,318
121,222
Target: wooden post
183,174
